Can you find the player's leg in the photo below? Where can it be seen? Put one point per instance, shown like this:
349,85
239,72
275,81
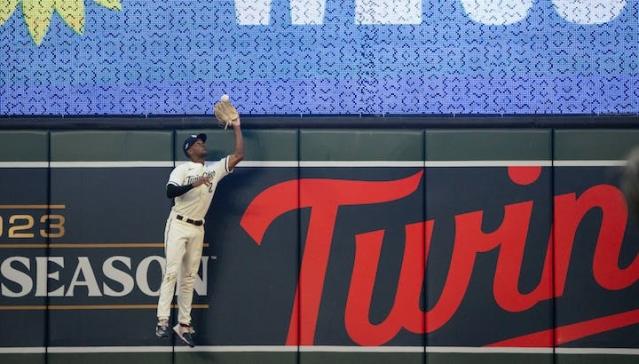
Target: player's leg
176,238
189,269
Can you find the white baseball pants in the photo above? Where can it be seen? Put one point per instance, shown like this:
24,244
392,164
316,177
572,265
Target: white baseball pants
183,248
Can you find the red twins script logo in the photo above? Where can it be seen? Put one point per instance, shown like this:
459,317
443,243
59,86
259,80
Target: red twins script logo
325,196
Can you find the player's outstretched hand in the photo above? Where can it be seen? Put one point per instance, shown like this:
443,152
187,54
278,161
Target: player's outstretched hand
200,181
225,113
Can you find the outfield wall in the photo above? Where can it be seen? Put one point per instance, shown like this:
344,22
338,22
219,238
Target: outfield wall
344,245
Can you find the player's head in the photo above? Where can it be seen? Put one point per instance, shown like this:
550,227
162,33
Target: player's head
194,147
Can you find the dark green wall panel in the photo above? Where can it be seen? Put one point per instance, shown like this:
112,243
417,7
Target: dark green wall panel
596,359
23,146
482,358
361,145
595,144
482,145
22,358
111,146
110,358
260,145
233,358
361,358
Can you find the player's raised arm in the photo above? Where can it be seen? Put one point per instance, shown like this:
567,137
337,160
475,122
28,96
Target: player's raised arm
227,115
238,153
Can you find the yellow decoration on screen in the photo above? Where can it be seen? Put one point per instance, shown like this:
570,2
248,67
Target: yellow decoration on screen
38,14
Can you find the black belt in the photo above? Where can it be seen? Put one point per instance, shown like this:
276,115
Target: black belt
194,222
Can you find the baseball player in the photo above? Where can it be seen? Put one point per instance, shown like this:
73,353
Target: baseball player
192,185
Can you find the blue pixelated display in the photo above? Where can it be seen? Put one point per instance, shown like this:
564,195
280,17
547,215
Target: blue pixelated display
178,57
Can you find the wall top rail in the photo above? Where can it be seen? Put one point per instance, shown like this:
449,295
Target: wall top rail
322,121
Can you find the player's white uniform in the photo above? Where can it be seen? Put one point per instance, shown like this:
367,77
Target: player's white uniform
183,240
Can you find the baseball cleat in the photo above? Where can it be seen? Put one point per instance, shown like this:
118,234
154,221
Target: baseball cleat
162,329
184,333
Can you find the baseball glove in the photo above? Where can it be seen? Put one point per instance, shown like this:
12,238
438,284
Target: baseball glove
225,113
630,182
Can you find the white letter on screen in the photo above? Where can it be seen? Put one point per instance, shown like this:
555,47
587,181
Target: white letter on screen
388,11
497,12
589,11
305,12
253,12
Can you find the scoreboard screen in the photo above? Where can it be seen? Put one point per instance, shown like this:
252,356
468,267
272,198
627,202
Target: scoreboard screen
336,57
